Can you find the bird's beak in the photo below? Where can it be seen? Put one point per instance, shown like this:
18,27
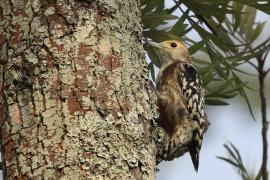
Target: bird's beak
154,44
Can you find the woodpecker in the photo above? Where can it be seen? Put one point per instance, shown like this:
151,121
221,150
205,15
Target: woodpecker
180,96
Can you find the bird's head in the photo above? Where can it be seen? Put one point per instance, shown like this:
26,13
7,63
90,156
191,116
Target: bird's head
171,50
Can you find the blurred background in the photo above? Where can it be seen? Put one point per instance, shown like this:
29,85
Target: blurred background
232,123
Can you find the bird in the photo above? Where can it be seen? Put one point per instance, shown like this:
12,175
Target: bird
180,97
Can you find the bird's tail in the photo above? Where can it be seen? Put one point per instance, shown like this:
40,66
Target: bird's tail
194,150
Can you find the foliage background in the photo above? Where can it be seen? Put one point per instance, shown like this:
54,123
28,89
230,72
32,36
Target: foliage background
224,38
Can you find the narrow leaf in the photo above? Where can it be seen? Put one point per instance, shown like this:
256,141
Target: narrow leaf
215,102
197,46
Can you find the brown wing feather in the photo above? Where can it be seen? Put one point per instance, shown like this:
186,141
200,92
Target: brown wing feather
171,103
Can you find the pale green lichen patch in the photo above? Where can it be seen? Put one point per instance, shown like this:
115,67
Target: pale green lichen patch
37,27
105,47
83,31
82,109
36,5
50,11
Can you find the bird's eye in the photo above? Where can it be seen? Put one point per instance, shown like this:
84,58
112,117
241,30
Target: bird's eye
173,45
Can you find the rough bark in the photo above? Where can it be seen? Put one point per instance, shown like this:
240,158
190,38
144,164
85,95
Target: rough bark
75,100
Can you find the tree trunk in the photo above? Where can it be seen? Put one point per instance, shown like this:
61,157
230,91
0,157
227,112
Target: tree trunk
75,101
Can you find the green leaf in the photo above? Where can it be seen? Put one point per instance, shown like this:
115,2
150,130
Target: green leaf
215,102
236,88
152,55
228,161
173,8
236,161
258,31
219,36
200,61
159,35
154,20
228,96
262,5
149,5
253,53
152,71
179,27
233,152
247,22
196,47
244,95
216,60
206,69
219,91
209,8
159,16
237,16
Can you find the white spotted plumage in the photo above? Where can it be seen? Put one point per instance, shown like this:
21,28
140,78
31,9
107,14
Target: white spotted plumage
180,96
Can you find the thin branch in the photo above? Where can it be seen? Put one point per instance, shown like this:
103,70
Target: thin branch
252,64
267,71
265,56
262,75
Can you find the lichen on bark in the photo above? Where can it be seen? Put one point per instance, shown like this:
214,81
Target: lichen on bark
75,101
